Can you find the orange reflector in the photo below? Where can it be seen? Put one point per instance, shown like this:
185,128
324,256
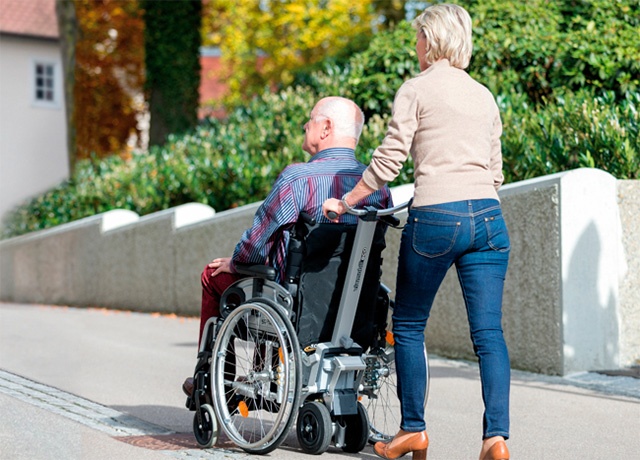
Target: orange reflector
281,354
243,409
389,338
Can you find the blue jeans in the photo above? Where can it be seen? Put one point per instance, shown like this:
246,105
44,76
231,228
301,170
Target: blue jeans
473,236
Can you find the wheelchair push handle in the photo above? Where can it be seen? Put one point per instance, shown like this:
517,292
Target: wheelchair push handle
369,210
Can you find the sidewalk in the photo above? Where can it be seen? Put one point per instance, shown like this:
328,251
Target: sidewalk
103,384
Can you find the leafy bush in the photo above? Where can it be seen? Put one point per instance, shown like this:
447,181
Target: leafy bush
565,74
222,164
537,46
377,73
579,130
517,53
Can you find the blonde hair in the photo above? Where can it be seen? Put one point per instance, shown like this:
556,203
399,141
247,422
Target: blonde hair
447,29
347,117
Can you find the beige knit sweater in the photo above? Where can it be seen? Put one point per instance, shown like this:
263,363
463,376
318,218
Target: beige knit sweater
451,126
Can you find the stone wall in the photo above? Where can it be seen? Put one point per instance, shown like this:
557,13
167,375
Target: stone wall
572,294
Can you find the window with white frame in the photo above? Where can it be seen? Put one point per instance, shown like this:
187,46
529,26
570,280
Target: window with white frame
44,84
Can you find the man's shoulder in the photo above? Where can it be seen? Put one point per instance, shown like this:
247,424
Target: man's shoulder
321,167
294,171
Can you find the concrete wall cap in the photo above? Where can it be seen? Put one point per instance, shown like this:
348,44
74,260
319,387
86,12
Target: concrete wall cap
108,220
402,193
525,186
191,213
182,215
117,218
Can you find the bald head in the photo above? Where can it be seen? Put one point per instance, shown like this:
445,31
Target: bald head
346,116
334,122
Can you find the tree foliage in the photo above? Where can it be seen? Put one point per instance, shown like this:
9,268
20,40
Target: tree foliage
264,42
538,47
172,43
391,12
552,121
109,76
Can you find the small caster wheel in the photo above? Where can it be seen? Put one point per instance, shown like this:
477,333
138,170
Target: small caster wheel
314,428
205,426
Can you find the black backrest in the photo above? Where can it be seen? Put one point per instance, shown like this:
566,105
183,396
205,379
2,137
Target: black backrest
326,250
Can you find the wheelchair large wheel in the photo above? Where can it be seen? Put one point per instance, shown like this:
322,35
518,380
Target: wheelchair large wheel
380,395
314,428
256,377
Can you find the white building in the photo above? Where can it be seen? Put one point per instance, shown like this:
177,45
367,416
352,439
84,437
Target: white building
33,133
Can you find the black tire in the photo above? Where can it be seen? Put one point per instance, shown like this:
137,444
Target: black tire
357,430
314,428
205,427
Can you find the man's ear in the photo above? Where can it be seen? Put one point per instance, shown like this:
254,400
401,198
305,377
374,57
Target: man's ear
327,127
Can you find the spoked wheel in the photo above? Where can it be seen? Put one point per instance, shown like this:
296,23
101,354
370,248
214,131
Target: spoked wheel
357,430
314,428
380,395
205,426
256,377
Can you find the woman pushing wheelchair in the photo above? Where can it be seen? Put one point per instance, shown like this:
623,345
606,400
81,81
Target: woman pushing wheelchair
451,127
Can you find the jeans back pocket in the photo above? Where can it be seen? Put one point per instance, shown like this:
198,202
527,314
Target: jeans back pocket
497,234
433,238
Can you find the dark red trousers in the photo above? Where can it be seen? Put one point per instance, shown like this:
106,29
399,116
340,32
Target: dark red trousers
212,289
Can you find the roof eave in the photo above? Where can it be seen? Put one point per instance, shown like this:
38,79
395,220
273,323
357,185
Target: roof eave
29,36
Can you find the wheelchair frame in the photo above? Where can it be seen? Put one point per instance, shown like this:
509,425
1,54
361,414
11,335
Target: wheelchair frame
250,361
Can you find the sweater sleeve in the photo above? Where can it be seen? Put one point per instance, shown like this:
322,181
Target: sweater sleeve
388,158
496,152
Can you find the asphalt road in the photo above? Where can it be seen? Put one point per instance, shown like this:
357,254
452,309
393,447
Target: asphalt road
104,384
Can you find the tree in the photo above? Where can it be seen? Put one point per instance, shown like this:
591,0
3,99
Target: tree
264,42
392,11
232,162
68,26
172,44
109,76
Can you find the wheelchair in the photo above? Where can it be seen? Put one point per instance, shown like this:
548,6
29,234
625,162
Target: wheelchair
315,350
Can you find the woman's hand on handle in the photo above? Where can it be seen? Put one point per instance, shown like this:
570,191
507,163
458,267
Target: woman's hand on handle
335,206
359,192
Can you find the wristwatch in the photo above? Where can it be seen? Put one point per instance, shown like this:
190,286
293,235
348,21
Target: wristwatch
344,202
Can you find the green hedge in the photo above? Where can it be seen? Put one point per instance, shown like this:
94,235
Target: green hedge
537,47
565,75
577,130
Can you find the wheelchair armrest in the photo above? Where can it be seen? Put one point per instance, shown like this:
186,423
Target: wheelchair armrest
261,271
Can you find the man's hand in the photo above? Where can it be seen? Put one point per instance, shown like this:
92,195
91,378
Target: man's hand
335,205
222,265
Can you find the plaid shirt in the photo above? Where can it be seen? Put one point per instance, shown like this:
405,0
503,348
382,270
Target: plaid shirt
302,187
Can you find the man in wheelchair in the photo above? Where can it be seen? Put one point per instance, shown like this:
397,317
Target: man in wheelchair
331,136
